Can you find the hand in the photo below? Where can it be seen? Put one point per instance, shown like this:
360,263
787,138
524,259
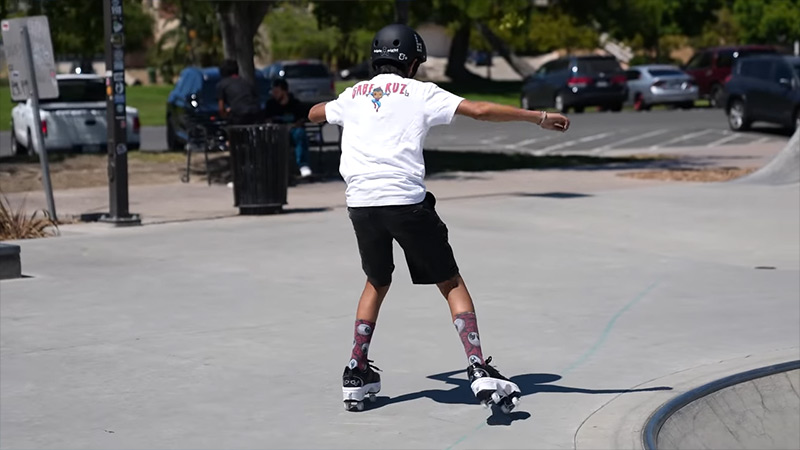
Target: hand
555,121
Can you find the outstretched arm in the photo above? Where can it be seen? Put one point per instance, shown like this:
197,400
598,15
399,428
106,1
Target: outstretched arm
317,113
494,112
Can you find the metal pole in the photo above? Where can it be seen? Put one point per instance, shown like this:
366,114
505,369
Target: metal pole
116,116
37,124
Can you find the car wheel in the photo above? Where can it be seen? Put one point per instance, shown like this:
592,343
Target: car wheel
616,107
172,141
687,105
715,99
16,148
31,148
797,119
578,109
639,104
558,103
524,103
737,118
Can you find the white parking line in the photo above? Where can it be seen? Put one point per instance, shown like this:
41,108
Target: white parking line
730,137
491,140
589,138
762,140
685,137
630,139
528,142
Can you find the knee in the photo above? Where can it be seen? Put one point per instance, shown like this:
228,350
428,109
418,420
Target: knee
448,285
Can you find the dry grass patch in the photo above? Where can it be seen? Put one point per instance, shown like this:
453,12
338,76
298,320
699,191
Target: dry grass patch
709,175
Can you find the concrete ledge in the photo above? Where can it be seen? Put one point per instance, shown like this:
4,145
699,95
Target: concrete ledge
758,409
10,265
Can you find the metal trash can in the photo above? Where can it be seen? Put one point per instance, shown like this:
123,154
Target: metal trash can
260,167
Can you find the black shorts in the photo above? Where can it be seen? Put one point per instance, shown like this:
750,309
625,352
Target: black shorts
418,230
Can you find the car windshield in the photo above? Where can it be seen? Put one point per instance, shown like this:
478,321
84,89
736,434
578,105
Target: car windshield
666,73
71,91
304,71
598,65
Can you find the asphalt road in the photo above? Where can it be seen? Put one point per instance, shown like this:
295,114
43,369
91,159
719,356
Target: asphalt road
590,133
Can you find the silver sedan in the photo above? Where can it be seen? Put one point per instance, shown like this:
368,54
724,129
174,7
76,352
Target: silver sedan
650,85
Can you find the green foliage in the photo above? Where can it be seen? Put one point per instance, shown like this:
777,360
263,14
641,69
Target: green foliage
768,21
196,41
294,33
724,30
77,26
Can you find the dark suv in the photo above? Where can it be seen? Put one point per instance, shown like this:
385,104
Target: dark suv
193,103
710,66
576,82
764,88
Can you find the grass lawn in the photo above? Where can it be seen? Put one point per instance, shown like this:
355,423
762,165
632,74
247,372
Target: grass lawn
151,100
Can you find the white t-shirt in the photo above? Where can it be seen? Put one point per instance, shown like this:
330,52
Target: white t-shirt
385,122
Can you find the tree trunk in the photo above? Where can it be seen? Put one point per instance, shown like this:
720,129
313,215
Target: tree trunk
239,22
458,55
521,67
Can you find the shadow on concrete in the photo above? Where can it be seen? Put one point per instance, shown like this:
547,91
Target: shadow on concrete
529,384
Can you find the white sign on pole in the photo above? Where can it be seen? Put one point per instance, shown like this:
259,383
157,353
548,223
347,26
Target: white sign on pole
42,48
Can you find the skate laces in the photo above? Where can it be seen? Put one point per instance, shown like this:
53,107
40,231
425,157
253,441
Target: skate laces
371,366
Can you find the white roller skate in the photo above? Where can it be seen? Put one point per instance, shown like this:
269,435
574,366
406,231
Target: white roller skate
357,384
490,387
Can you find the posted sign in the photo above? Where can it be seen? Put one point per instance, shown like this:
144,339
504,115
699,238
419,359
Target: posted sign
42,49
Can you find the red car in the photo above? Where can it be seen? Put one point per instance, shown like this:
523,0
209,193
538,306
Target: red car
711,66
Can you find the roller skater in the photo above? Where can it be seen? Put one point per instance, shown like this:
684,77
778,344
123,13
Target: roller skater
385,121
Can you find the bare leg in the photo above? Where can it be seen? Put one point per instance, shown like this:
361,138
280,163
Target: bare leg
370,302
457,295
462,312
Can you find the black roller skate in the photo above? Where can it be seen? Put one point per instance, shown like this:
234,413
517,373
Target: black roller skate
490,387
357,384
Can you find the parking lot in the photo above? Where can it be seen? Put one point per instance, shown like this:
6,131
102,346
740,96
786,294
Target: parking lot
612,134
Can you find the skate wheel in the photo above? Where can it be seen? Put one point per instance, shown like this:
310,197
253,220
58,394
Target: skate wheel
347,406
372,397
515,401
485,404
496,397
505,408
360,406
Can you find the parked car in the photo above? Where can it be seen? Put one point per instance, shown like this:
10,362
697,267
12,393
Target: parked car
710,66
764,88
360,71
193,103
75,121
576,82
654,84
310,81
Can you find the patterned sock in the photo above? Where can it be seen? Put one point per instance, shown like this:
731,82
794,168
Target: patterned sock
467,326
361,338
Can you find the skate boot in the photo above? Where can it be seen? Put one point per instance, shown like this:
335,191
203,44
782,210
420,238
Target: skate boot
357,384
490,387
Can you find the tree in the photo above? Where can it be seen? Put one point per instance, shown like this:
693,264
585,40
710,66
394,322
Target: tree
295,33
768,21
196,41
239,23
79,29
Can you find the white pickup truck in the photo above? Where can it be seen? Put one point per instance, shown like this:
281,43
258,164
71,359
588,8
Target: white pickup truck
75,121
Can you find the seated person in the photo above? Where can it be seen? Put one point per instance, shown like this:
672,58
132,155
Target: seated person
283,107
238,99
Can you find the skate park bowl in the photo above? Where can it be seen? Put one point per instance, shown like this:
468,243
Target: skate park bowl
783,169
757,409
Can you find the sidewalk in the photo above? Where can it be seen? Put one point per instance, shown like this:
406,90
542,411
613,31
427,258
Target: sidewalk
196,201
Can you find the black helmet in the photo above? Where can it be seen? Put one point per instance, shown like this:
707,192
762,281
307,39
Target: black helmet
397,44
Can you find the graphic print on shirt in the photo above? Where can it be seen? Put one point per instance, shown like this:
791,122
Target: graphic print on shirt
379,93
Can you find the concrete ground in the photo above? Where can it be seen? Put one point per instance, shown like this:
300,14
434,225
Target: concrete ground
602,297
